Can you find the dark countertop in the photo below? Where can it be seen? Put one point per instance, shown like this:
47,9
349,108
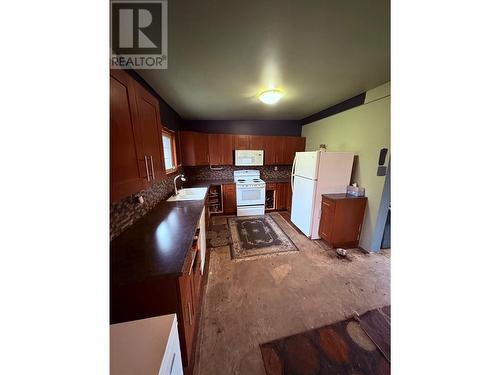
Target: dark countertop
340,196
157,245
276,180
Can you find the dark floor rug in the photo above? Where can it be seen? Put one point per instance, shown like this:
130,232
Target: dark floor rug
257,235
218,235
340,348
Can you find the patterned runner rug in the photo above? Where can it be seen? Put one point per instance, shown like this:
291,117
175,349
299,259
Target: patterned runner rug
257,235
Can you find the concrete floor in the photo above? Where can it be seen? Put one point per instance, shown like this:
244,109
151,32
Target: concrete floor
253,301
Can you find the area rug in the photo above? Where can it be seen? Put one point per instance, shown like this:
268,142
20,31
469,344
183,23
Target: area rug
218,235
340,348
257,235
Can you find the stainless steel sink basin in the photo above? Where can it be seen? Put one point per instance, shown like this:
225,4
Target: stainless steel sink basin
190,194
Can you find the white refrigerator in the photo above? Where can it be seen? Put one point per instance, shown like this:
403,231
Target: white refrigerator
315,173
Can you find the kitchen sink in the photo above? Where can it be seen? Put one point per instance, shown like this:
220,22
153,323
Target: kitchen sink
190,194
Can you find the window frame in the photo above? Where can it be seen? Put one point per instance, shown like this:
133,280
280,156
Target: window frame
171,134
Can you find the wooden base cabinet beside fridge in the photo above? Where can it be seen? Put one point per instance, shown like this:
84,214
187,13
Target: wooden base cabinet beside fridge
342,219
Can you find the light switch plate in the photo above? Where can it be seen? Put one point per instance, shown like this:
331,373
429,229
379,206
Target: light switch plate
381,171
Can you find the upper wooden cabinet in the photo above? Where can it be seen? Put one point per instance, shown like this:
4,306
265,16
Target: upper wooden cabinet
194,148
221,148
125,168
257,142
218,149
293,145
136,158
148,119
242,142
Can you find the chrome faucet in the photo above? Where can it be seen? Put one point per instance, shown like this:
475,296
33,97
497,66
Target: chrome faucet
183,179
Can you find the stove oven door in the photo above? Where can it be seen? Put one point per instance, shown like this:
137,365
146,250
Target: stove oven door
251,196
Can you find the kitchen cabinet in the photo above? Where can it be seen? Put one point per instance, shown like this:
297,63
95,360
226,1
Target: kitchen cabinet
257,142
242,142
276,196
194,148
221,148
341,219
293,145
274,153
281,188
125,168
148,119
140,297
289,197
229,198
218,149
136,159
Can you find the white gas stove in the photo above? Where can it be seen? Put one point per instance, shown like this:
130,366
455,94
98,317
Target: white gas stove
250,192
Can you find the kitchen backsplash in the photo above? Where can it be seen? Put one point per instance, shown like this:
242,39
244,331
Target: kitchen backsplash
124,213
226,173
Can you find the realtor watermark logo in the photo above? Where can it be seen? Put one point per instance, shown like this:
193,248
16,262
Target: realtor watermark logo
138,34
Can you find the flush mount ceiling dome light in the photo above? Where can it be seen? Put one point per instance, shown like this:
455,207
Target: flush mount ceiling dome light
270,96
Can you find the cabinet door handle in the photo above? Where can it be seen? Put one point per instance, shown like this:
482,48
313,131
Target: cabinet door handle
189,313
147,168
326,204
152,167
172,363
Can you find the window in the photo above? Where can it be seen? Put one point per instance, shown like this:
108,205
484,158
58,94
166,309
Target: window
168,139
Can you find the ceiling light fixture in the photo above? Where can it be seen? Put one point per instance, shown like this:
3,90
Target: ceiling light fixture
270,96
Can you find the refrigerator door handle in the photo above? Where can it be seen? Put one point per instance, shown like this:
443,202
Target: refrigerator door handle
293,171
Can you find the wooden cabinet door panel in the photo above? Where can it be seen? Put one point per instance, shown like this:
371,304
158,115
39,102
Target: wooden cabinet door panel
148,120
257,142
293,145
269,154
215,149
241,142
281,196
127,177
187,142
201,149
289,197
220,148
194,148
278,147
227,149
229,197
326,222
349,214
187,322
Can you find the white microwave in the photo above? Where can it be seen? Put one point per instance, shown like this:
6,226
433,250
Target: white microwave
248,157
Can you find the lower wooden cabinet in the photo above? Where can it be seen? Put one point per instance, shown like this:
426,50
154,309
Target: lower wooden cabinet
229,198
289,197
277,196
180,294
341,219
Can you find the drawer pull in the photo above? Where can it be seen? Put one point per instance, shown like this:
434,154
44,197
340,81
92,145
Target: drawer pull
172,364
189,313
